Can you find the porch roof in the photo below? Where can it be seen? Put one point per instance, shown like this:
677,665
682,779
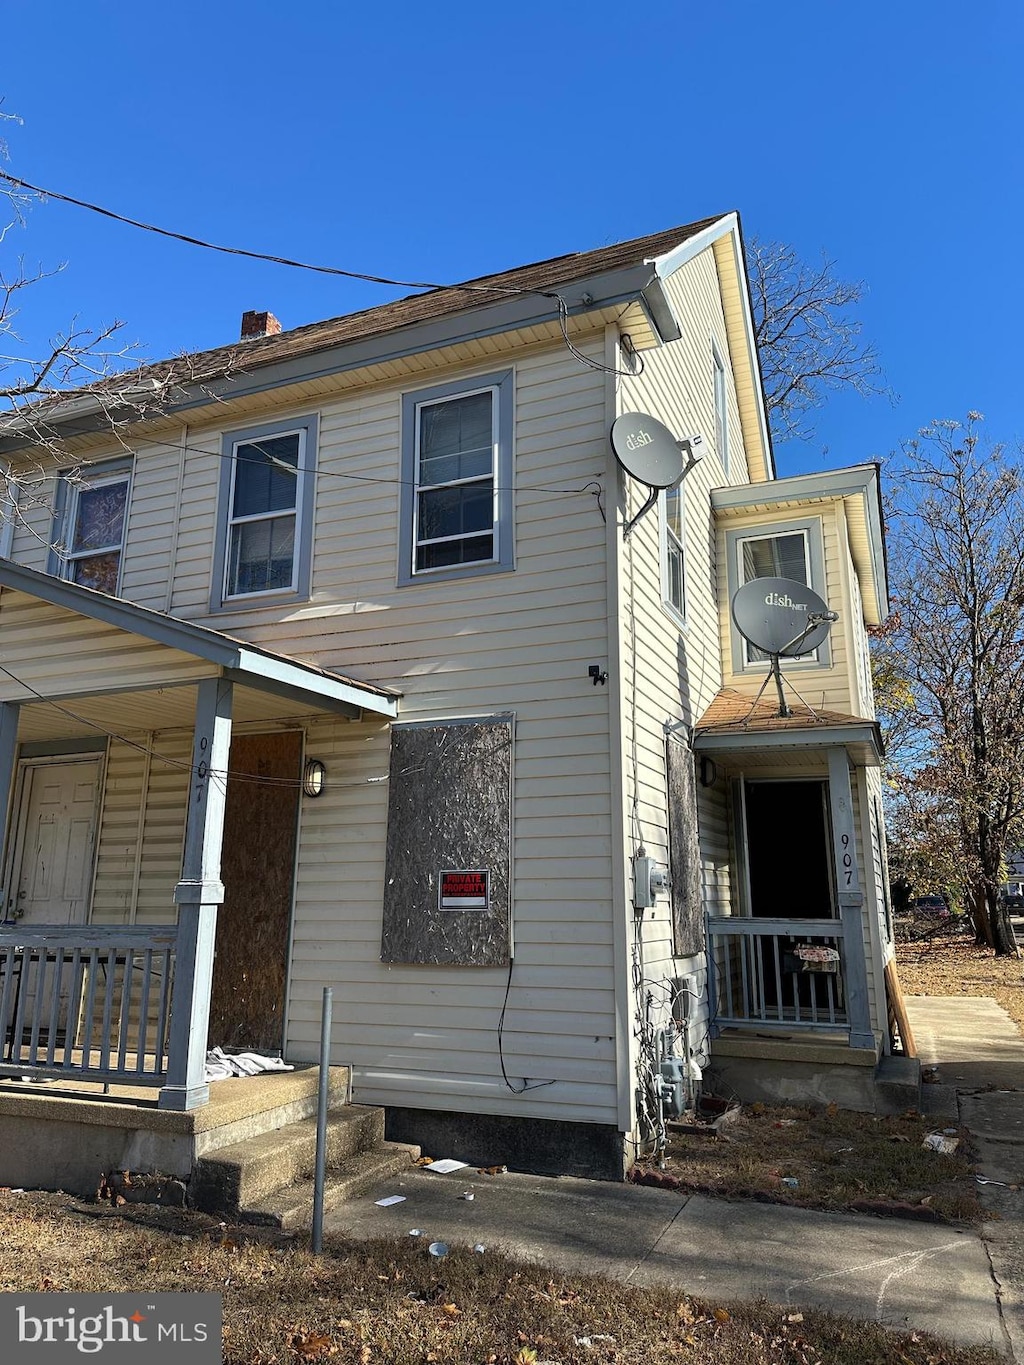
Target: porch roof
735,723
209,650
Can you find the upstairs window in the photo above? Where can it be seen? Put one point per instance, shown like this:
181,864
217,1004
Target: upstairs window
774,556
673,571
264,545
721,407
457,476
90,527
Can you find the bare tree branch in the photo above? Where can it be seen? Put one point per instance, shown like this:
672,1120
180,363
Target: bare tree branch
808,341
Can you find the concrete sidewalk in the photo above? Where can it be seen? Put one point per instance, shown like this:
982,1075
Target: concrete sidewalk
961,1285
978,1051
913,1275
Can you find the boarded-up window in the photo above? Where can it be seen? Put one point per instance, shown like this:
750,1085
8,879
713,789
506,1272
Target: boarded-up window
449,810
684,851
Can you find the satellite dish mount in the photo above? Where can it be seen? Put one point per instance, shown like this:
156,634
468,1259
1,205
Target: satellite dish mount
649,453
785,619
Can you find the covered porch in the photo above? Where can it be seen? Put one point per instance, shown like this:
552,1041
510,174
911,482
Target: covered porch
84,1000
794,953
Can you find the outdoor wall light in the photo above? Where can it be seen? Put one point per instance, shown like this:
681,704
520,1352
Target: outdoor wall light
313,777
708,771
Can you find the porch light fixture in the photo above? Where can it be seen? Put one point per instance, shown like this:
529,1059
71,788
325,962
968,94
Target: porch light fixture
313,776
708,771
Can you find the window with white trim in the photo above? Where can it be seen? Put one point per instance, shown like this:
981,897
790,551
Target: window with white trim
721,407
457,476
773,556
264,537
95,507
673,563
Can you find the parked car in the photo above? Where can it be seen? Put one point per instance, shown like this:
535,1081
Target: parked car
930,907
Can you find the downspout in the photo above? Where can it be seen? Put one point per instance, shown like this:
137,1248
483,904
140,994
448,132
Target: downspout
621,916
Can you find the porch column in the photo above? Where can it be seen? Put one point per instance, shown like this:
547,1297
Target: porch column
198,894
851,898
9,711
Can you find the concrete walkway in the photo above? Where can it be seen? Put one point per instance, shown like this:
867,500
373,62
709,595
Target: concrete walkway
965,1287
979,1053
914,1275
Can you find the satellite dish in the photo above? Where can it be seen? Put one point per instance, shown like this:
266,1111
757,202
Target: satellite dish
646,450
781,616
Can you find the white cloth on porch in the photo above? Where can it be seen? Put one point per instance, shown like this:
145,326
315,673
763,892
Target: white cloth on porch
220,1065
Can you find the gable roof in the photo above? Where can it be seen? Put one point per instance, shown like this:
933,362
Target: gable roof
628,269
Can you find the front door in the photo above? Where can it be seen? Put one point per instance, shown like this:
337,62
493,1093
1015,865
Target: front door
51,867
50,873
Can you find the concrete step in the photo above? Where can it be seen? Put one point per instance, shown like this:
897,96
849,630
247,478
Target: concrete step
293,1207
235,1176
243,1108
897,1085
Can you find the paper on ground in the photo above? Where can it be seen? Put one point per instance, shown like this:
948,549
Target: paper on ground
446,1165
391,1199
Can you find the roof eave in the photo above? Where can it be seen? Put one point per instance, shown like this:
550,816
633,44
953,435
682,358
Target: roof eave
634,284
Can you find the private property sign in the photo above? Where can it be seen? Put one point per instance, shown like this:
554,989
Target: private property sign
464,890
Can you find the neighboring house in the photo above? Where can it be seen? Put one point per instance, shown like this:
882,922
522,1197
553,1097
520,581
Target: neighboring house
384,556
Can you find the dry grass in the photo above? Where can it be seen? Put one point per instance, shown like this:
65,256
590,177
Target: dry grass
952,964
839,1159
389,1302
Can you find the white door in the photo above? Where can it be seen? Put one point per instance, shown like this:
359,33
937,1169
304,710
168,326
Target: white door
52,869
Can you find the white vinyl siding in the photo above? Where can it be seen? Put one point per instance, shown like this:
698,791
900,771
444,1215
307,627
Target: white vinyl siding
673,552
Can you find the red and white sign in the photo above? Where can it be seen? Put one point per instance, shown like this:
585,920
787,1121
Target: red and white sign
464,890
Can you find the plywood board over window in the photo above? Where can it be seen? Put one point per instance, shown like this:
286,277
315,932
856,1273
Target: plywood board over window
684,851
449,811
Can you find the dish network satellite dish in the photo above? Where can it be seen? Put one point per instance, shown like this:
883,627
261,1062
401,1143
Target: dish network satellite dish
784,618
649,453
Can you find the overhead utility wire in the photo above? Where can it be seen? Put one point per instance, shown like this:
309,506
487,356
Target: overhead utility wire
190,240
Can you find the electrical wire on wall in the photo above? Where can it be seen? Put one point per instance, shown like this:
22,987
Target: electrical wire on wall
526,1084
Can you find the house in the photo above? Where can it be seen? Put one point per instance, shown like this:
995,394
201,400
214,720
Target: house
339,668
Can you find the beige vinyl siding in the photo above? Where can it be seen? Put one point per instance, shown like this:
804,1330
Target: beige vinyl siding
59,653
427,1036
146,793
716,851
830,688
677,669
521,642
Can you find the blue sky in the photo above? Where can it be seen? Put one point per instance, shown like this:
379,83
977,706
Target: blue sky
440,142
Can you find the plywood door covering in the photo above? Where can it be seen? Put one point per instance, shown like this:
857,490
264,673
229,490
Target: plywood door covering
257,868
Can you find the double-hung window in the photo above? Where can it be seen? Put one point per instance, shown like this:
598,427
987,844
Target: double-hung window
786,555
263,545
89,533
457,475
673,567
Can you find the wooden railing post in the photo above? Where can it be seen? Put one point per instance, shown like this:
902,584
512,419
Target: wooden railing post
198,894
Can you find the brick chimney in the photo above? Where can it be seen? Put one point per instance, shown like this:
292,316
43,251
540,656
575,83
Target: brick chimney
259,325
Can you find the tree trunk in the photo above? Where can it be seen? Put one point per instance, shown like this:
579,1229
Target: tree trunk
1003,939
979,914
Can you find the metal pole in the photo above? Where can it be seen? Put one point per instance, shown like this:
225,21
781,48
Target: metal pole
321,1123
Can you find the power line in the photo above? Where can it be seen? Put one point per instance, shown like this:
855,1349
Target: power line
472,288
191,240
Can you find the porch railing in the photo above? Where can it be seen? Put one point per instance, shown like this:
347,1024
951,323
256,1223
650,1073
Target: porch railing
782,975
95,1002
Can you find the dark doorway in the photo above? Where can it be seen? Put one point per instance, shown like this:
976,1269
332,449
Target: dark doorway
257,868
788,847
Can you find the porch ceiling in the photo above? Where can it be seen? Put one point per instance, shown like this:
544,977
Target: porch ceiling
70,645
158,708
